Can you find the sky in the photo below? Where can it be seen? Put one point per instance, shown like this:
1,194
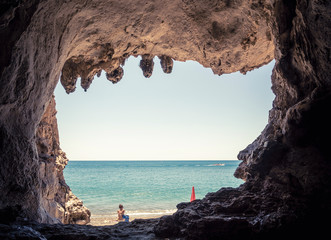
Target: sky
190,114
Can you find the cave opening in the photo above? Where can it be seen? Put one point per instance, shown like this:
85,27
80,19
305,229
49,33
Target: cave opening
287,188
190,114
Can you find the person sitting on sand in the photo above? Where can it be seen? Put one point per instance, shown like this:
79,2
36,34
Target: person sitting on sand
121,215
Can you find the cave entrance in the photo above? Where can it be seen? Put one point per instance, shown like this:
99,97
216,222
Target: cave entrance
190,114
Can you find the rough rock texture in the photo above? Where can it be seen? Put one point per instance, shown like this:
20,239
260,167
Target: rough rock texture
43,39
166,64
147,65
138,229
102,34
59,202
287,188
286,169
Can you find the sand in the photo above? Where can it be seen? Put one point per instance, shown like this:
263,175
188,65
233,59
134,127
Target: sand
105,220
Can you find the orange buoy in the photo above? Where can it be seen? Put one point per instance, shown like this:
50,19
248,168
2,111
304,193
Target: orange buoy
193,194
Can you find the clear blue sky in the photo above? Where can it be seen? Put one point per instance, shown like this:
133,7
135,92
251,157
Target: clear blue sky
190,114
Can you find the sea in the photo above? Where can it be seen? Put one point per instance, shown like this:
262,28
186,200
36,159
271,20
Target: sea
146,189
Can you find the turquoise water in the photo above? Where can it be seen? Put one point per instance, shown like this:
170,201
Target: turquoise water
145,187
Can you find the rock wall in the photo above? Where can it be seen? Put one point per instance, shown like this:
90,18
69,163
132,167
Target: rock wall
43,39
60,204
286,168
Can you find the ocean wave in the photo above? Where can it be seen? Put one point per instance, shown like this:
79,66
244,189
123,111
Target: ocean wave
139,213
216,165
154,212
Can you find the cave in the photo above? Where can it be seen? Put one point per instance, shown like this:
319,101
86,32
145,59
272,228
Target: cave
286,169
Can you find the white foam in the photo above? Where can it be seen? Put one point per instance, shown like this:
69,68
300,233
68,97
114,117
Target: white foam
154,212
139,213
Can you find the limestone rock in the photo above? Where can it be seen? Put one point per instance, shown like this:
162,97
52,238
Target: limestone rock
181,31
147,65
61,205
76,213
116,75
166,64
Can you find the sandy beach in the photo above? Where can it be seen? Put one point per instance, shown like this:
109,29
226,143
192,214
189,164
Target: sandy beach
105,220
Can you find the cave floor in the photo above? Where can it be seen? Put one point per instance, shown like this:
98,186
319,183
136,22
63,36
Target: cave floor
137,229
